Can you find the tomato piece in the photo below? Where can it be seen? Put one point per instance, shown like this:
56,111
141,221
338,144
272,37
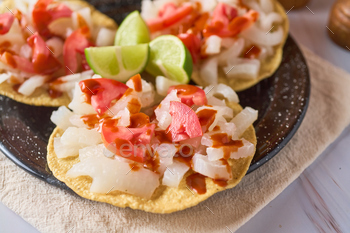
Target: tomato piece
75,43
130,143
40,52
236,26
190,94
167,9
185,123
44,13
17,62
223,14
6,21
241,23
169,16
177,15
101,92
43,61
193,44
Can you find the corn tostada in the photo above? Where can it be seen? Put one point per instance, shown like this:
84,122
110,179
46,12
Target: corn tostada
124,145
42,48
235,42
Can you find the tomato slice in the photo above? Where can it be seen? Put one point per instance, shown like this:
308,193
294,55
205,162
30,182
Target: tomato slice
190,94
43,61
185,123
235,26
167,10
6,21
101,92
44,13
74,44
130,143
241,23
193,44
17,62
223,14
169,16
40,52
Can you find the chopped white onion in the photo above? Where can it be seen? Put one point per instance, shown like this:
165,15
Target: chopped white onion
5,76
91,151
28,87
232,53
56,46
268,20
78,104
110,174
243,68
246,150
174,174
76,121
266,6
244,119
215,153
222,113
26,51
263,37
146,95
123,117
148,10
86,14
14,35
67,83
215,101
212,169
221,89
162,111
64,151
163,84
105,37
209,70
126,101
80,137
227,42
61,26
61,117
212,45
165,154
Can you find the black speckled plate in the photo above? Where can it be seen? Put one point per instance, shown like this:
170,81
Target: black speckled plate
282,102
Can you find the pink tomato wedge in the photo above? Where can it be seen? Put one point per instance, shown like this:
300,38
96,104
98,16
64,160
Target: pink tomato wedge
101,92
190,94
6,21
184,124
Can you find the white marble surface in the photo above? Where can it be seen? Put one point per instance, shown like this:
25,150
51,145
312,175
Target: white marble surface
319,200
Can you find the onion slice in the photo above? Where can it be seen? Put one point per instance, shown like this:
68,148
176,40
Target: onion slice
174,174
244,119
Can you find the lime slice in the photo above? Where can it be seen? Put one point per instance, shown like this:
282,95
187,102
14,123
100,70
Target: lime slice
118,62
169,57
133,30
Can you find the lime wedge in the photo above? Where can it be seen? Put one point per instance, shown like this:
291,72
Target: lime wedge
133,30
169,57
118,62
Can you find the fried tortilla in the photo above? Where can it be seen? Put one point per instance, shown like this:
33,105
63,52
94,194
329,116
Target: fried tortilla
165,199
41,96
268,66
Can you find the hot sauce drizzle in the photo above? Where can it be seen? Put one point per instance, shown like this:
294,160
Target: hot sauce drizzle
222,140
197,183
252,52
91,120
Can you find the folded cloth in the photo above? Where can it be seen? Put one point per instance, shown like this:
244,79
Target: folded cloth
51,209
